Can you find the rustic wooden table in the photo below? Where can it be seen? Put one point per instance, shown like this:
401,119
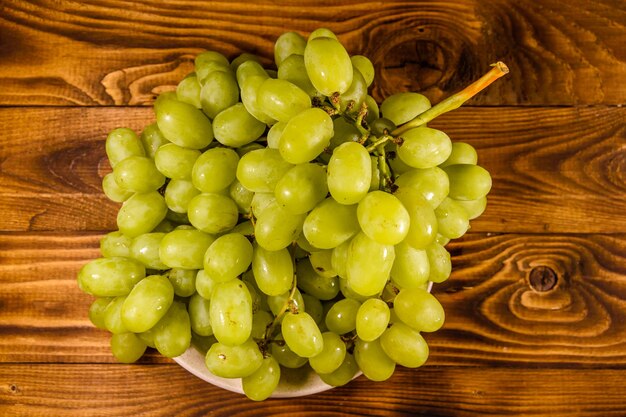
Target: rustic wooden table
553,134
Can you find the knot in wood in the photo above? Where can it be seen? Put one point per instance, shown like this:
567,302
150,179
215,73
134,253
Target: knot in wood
542,278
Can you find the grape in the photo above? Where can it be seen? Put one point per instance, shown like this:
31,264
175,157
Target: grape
241,196
209,61
138,174
330,224
375,181
183,281
260,202
302,334
423,222
439,260
249,93
273,270
368,265
322,33
468,182
212,213
127,347
349,173
339,258
145,249
278,302
152,139
285,356
473,208
273,135
188,91
113,191
183,124
178,194
234,361
113,316
305,136
121,144
432,183
341,318
205,284
411,267
321,261
184,248
372,360
260,320
292,69
243,58
355,94
276,227
419,309
372,319
328,65
402,107
115,244
175,162
199,315
219,92
172,335
147,303
462,153
231,312
343,374
302,188
424,147
314,284
249,69
365,67
288,44
214,170
343,131
281,100
383,218
228,256
260,170
236,127
259,385
373,112
97,310
332,355
404,345
452,219
110,277
382,126
314,307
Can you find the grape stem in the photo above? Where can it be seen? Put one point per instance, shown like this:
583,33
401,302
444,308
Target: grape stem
455,101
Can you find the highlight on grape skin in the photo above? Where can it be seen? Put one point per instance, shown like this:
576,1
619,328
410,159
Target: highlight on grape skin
282,218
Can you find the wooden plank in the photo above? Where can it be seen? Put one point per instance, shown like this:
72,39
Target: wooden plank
168,390
554,169
560,53
493,314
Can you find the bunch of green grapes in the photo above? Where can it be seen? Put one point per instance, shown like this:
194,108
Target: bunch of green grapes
282,219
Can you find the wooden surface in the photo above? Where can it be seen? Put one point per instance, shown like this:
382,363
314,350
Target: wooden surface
552,133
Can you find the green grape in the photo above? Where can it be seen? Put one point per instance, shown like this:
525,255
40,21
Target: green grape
373,361
302,334
341,318
231,312
209,61
113,191
292,69
339,258
243,58
205,284
314,284
148,338
110,277
343,374
254,146
228,257
328,65
273,270
183,124
260,385
165,226
260,320
219,92
473,208
304,247
145,249
382,126
249,69
343,131
188,91
411,268
452,219
424,147
462,153
432,183
276,227
262,201
372,319
245,228
241,196
282,100
375,182
234,361
403,107
306,135
419,309
172,334
277,302
285,356
175,162
314,307
184,248
368,265
212,213
147,303
249,93
321,261
96,311
288,44
273,135
355,94
113,316
330,224
322,33
383,218
178,194
183,281
254,297
138,174
127,347
115,244
260,170
141,213
236,127
122,143
348,292
349,173
152,139
302,188
440,264
365,67
373,112
423,223
442,240
404,345
332,355
214,170
468,182
199,315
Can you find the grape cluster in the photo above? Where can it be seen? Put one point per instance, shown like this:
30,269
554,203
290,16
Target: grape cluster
275,219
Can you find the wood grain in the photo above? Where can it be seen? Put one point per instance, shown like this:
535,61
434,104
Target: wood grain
554,170
103,53
493,314
168,390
